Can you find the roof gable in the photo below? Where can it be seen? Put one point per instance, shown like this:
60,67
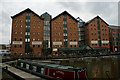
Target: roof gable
46,14
95,18
65,12
26,11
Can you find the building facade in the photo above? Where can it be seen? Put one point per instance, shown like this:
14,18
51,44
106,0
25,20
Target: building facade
64,32
27,34
4,49
36,35
46,33
114,32
81,32
97,33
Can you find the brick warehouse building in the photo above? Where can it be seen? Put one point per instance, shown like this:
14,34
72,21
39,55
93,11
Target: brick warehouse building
64,32
114,32
97,34
37,35
27,34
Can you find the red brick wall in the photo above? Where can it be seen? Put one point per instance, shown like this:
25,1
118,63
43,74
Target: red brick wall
34,21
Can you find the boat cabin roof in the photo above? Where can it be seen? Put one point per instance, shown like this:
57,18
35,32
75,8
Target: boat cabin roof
51,65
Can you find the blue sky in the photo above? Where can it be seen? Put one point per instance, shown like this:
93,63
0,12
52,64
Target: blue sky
108,10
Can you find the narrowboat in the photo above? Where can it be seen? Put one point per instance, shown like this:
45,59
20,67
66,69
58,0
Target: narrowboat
52,71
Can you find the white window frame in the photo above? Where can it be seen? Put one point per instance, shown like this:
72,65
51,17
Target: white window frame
34,68
42,70
27,66
21,64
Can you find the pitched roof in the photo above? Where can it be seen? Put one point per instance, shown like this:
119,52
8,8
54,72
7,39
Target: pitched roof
84,47
114,27
95,18
80,20
65,12
46,13
25,11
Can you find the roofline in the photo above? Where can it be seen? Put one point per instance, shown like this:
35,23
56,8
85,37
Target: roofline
25,11
95,18
114,27
44,13
64,12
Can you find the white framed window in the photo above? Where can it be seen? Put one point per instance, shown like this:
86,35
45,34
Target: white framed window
64,34
65,39
27,26
33,39
25,33
27,66
42,70
21,64
28,33
34,68
28,40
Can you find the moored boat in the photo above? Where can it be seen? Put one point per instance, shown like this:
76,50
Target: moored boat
52,71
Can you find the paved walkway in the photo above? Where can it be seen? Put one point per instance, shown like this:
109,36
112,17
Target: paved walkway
20,73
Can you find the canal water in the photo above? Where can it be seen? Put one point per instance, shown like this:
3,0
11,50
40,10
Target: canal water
103,67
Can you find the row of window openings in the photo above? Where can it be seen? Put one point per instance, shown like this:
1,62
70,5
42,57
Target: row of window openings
61,46
28,26
46,22
27,14
27,20
27,33
81,34
65,39
46,34
116,34
20,46
116,39
65,17
116,43
97,44
27,40
95,25
18,20
64,28
47,28
81,29
97,39
96,34
65,34
34,68
99,30
63,23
